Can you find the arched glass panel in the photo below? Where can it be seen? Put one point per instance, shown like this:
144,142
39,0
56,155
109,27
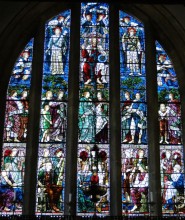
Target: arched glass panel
93,147
15,133
133,116
53,120
171,149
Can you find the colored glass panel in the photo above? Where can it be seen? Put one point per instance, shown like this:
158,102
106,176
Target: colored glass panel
15,133
169,99
53,118
135,179
93,196
133,116
172,179
171,149
93,179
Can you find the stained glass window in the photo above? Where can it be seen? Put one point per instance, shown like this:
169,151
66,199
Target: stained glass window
171,148
93,139
93,148
133,116
53,120
15,133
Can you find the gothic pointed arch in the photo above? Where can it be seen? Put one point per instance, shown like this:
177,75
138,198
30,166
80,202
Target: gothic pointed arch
106,100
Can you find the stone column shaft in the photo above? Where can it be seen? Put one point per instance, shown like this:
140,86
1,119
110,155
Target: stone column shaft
73,101
30,179
152,123
115,125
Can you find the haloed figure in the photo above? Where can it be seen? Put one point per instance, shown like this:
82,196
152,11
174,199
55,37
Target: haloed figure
139,191
46,123
90,54
86,118
58,114
22,69
126,118
101,119
127,168
57,48
138,119
132,48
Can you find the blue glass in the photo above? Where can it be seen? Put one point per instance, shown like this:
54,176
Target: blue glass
170,125
166,76
133,116
132,46
15,133
53,115
94,109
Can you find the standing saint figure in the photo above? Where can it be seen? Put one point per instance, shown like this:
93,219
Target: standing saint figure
57,48
163,123
139,183
174,121
101,108
58,111
132,48
126,118
46,123
138,119
86,119
127,169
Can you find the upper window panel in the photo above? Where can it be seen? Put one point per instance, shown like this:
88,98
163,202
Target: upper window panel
53,120
15,133
166,76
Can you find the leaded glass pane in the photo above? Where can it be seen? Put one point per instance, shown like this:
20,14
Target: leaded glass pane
172,179
135,179
15,133
53,118
93,196
133,116
93,179
171,149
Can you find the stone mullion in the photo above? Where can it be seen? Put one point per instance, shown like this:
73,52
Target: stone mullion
115,125
153,124
72,118
30,178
